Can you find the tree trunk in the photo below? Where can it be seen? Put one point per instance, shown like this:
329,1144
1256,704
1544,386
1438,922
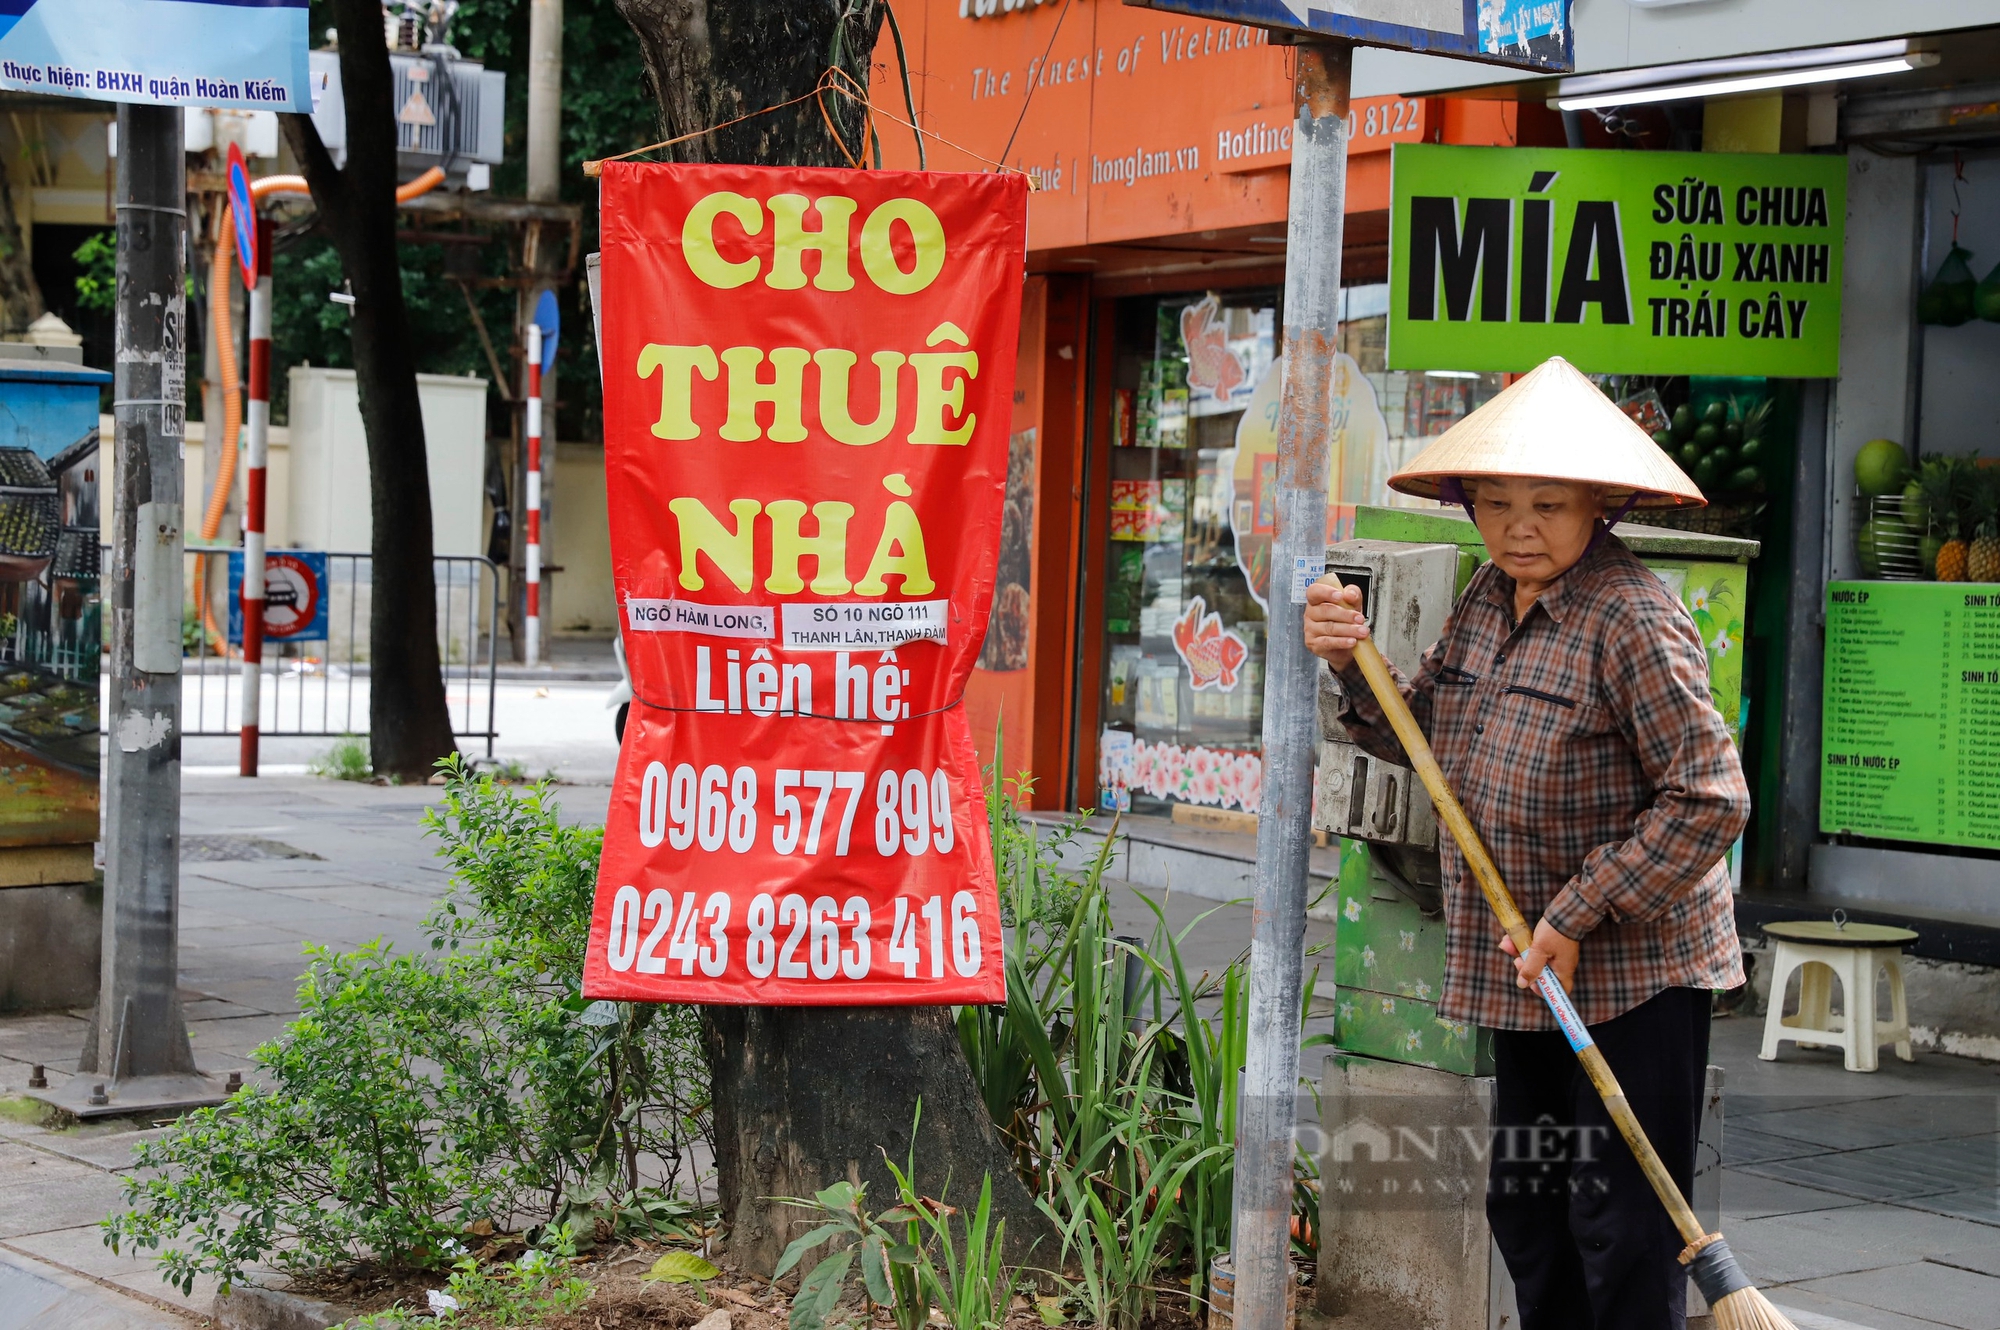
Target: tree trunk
805,1097
409,728
712,62
20,295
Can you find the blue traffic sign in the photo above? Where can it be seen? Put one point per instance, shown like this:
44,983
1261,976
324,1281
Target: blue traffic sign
1526,34
549,320
244,210
295,589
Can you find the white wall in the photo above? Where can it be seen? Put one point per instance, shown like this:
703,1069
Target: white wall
328,505
1874,398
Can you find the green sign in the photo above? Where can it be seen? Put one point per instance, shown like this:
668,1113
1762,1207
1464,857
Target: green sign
1911,732
1620,262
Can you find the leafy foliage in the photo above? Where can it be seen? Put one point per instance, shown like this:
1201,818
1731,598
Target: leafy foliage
346,760
416,1095
1112,1072
910,1260
521,1292
97,282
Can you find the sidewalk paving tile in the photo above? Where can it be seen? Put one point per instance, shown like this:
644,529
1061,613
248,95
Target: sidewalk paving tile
1926,1290
35,1295
1840,1314
39,1191
1752,1196
1893,1172
1890,1120
1785,1249
1981,1260
1746,1145
110,1151
1981,1204
81,1248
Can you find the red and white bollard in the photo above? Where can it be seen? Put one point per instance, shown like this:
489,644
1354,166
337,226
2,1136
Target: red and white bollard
257,446
533,506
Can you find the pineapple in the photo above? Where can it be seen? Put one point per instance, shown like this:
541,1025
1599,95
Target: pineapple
1940,481
1982,562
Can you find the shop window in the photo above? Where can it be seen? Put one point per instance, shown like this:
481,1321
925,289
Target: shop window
1391,414
1193,460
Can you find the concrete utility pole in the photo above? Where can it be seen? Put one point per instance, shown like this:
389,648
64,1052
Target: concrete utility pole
1261,1248
139,1030
544,100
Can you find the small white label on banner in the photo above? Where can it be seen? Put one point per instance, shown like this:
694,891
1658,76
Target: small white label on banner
1305,571
849,626
683,616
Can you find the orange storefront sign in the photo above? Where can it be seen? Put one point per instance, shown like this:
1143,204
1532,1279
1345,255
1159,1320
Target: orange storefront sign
1133,124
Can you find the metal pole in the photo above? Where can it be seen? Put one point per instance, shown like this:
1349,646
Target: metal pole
545,75
1261,1246
139,989
534,500
257,444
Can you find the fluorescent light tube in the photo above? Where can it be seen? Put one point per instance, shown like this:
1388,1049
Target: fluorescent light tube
1777,78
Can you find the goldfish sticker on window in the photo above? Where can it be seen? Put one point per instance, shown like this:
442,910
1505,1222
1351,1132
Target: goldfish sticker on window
1212,365
1214,655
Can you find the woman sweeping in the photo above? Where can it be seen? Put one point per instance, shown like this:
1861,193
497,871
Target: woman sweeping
1568,704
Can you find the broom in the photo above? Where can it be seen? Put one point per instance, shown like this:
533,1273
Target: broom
1734,1301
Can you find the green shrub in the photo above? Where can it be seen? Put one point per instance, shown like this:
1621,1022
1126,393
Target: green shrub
417,1094
347,760
518,1293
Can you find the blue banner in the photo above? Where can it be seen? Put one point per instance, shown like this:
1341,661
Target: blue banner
247,54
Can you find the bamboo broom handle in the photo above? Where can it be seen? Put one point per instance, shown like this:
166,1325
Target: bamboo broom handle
1452,814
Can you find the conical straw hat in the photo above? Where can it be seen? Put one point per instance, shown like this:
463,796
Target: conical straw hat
1552,422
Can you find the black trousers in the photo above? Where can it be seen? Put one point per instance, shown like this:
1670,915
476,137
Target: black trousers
1588,1243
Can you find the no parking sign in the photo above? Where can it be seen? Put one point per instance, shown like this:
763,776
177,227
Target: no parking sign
294,596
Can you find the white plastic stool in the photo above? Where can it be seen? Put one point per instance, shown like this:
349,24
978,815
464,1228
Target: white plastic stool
1823,951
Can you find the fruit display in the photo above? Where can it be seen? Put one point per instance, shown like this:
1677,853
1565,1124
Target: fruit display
1881,467
1722,446
1947,300
1953,505
1982,557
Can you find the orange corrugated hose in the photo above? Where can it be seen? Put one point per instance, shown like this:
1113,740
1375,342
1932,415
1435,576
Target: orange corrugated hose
225,363
232,420
225,345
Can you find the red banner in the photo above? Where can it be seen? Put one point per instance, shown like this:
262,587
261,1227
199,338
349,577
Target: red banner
808,382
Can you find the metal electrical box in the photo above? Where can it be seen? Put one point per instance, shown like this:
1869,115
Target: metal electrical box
1389,947
1406,593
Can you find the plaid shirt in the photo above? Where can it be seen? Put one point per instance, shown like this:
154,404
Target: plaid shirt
1585,748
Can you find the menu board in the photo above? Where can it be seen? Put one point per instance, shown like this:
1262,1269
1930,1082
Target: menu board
1911,736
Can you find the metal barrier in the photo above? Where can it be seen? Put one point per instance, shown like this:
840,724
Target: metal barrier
320,689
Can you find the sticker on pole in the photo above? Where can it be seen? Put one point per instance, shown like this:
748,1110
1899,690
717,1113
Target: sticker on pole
808,381
243,209
294,596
